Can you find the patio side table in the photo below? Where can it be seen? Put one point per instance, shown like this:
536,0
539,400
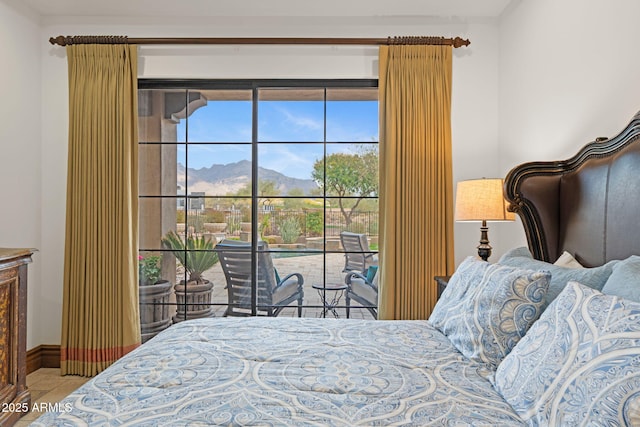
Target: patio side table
330,303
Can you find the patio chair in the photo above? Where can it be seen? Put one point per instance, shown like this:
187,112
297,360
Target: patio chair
363,288
274,294
357,255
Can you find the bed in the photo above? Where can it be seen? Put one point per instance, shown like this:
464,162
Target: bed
548,335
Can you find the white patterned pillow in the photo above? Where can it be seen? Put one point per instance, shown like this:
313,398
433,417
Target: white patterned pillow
486,308
568,261
579,364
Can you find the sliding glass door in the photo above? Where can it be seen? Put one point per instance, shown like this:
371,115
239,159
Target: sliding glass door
279,167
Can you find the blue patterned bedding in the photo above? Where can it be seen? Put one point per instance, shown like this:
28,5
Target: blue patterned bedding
289,371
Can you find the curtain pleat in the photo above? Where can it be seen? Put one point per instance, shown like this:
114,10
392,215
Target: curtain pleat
100,321
416,190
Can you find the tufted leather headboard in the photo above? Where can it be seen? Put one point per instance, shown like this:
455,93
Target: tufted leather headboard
588,205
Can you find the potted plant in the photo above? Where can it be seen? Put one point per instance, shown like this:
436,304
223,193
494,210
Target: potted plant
154,293
196,255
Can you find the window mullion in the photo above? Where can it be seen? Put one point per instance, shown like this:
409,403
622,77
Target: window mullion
254,201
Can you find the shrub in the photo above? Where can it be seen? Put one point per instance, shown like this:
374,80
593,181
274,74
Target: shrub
265,225
195,221
233,225
149,269
213,215
357,227
270,239
314,223
289,229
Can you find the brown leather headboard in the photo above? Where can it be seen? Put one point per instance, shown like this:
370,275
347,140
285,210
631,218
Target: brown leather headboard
588,205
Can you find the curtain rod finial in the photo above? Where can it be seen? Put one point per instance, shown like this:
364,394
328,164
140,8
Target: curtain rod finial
60,40
459,42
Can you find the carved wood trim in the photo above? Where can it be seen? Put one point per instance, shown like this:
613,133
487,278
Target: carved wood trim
13,309
518,203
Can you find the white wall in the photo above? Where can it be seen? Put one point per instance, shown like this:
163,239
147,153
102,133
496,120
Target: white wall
475,101
557,74
20,160
568,74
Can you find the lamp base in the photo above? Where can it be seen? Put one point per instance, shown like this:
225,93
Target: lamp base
484,248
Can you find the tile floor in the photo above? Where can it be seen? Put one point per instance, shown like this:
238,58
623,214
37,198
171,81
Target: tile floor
46,385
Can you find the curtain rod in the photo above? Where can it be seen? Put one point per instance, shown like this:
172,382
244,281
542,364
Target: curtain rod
71,40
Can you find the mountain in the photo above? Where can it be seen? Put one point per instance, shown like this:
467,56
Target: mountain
229,178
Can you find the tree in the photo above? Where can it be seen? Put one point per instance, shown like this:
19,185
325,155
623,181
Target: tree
350,178
296,202
266,191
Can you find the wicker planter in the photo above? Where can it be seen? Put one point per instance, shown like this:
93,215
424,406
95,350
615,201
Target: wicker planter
154,308
193,301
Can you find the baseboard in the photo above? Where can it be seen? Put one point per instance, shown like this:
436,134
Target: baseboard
43,356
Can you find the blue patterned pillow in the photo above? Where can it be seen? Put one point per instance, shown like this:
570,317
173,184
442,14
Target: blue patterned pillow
579,364
594,278
486,308
625,280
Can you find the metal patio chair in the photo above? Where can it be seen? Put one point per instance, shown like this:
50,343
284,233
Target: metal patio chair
363,288
358,257
273,294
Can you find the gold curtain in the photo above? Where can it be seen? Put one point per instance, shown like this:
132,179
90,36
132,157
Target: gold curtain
100,320
416,200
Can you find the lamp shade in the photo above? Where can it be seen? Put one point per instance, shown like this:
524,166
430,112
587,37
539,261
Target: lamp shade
481,200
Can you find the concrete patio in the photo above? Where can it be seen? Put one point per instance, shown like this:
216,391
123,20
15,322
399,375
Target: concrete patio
313,268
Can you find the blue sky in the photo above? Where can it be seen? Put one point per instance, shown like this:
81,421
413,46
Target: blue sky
298,125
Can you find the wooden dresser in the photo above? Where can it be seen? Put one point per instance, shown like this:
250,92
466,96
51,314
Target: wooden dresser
14,395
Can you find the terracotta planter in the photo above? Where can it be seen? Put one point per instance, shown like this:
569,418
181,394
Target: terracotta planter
154,308
193,301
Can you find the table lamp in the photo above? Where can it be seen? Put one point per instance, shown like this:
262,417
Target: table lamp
482,200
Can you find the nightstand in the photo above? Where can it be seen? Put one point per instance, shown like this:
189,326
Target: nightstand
442,282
